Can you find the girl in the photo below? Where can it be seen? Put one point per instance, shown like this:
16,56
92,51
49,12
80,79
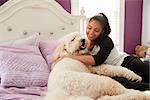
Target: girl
103,50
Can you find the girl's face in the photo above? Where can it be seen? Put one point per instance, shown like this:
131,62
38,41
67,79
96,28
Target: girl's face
94,29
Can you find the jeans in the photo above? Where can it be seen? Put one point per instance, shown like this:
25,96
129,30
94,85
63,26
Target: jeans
139,67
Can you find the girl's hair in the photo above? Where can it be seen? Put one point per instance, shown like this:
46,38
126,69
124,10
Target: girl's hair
102,18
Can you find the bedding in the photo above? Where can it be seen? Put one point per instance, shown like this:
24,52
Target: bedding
28,93
23,69
22,66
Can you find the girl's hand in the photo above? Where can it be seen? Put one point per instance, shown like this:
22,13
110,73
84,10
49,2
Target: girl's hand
71,56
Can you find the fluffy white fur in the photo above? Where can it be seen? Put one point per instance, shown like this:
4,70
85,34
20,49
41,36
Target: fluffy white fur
72,80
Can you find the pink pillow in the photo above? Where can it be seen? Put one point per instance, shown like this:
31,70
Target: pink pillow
22,66
47,49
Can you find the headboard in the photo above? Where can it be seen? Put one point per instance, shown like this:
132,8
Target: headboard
18,18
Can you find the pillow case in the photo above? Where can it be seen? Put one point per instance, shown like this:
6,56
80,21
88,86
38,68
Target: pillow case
30,40
22,66
47,49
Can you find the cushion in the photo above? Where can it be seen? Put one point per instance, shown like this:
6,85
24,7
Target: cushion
47,49
22,66
30,40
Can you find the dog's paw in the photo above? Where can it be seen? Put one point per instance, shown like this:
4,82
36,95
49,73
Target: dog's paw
134,77
138,79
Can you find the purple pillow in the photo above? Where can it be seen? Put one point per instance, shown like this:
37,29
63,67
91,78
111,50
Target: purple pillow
22,66
47,49
30,40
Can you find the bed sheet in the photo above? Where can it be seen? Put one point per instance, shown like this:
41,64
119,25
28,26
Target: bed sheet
28,93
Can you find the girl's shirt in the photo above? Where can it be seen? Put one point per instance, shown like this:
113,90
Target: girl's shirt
106,52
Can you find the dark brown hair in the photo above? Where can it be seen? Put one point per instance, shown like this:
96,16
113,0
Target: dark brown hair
102,18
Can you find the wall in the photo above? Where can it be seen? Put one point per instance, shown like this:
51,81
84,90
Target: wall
66,4
133,24
2,1
146,23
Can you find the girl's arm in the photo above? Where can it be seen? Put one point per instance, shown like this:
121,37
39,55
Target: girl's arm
86,59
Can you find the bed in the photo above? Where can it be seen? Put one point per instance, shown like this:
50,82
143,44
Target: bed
29,31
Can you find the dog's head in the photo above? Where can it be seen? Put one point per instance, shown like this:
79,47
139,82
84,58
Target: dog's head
71,44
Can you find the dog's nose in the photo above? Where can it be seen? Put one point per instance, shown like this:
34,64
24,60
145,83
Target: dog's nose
82,40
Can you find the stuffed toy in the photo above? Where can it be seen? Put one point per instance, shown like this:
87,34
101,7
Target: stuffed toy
140,51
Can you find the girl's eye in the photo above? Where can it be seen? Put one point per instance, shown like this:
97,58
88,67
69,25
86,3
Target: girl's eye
89,28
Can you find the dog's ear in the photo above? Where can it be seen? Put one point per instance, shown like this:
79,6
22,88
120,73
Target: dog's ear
58,52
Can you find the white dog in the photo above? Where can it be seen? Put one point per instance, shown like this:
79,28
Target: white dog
72,80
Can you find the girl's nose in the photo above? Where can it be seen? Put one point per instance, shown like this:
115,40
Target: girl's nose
91,32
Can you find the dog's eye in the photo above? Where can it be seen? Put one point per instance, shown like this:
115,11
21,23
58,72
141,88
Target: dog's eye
73,39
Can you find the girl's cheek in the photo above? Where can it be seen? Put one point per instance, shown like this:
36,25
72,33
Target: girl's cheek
87,32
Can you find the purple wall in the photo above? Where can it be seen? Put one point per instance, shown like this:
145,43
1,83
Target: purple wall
66,4
2,1
133,24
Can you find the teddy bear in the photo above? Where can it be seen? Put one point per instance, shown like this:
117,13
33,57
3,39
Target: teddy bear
140,51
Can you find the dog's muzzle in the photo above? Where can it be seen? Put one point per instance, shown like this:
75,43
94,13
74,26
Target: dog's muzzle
83,44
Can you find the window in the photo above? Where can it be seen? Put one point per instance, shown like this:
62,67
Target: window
114,10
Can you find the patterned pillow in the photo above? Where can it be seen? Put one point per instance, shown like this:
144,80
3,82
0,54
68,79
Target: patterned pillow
22,66
47,49
30,40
